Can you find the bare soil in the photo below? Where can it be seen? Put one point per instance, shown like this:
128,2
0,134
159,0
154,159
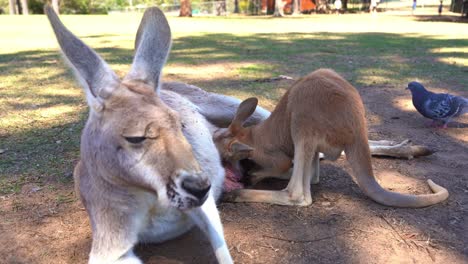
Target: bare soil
49,225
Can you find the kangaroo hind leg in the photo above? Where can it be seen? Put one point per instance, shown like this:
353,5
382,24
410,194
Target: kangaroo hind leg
295,193
315,179
306,166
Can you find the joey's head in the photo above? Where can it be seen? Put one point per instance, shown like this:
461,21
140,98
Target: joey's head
234,143
132,138
230,148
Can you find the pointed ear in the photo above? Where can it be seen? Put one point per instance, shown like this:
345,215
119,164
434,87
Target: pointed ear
245,110
152,45
240,150
91,70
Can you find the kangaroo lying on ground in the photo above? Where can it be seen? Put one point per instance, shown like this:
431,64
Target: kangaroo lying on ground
149,169
323,113
220,110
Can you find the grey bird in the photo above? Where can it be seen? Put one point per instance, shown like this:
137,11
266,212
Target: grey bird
441,108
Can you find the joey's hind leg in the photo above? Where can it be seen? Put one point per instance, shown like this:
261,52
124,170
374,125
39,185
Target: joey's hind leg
311,176
315,169
305,159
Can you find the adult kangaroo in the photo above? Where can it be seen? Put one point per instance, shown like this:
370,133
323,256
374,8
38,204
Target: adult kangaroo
320,113
149,169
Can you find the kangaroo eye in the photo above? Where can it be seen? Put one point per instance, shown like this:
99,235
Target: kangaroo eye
135,140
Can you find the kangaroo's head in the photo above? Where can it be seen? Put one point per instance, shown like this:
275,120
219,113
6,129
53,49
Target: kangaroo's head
132,138
234,143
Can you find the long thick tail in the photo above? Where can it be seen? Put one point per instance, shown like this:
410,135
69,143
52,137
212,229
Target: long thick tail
358,155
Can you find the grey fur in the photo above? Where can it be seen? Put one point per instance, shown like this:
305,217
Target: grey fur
217,108
89,68
138,149
148,61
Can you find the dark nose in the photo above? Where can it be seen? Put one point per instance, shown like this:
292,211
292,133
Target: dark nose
196,187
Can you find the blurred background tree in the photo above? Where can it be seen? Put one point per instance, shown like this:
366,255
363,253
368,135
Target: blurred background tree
189,7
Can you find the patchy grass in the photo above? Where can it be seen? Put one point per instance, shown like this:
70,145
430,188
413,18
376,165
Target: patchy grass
42,110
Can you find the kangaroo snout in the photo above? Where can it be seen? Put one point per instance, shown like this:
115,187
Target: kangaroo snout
188,190
198,188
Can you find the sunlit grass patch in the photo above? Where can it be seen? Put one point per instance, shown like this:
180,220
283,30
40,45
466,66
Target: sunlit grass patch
257,71
42,108
455,60
375,75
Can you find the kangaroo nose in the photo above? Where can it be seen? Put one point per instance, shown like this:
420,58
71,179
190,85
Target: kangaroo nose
197,188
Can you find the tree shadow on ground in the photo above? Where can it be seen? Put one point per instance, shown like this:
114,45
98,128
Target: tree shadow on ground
442,18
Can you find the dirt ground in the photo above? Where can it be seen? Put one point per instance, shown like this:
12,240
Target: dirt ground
49,225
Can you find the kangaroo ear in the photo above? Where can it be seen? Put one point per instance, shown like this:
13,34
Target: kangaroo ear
245,110
91,70
152,45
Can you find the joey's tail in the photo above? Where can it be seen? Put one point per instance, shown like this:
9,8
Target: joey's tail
358,155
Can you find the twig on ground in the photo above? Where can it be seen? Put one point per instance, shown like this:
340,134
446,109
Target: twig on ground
364,231
394,230
270,247
300,241
278,78
297,215
241,251
431,254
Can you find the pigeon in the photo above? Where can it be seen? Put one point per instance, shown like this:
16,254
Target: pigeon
441,108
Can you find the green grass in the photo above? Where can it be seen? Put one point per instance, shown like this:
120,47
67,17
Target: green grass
42,109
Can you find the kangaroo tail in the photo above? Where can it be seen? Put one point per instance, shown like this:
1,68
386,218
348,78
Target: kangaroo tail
358,155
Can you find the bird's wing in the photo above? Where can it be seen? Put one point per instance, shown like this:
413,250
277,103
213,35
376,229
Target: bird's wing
440,106
461,105
465,106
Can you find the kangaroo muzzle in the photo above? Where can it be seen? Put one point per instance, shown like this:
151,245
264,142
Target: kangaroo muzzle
188,190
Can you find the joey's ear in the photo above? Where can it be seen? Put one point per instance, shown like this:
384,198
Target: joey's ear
152,45
240,150
245,110
98,80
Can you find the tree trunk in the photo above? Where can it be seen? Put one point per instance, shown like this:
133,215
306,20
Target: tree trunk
297,8
24,4
322,6
279,12
12,4
220,8
236,6
19,9
56,6
185,8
